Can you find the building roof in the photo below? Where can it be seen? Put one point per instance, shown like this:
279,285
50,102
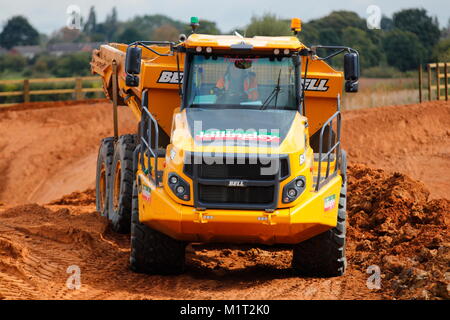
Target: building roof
68,47
27,50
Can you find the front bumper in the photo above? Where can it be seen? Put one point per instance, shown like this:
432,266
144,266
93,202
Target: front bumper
316,214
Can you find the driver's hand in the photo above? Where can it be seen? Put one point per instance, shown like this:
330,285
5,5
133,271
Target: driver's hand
216,91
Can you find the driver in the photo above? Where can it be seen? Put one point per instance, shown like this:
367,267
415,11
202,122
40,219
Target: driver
239,82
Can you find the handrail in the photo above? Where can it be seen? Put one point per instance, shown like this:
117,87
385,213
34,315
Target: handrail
144,44
153,152
335,148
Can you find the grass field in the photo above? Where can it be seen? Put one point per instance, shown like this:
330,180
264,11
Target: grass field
383,92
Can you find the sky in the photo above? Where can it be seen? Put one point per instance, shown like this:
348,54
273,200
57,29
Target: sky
50,15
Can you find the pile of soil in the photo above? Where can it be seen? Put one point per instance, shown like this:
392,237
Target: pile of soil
393,225
394,222
48,152
412,139
50,149
77,198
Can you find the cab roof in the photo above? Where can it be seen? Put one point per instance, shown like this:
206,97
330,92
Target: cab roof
226,41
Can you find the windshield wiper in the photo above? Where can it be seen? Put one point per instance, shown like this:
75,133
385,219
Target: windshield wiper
273,94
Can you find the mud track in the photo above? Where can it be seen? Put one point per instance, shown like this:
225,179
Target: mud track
395,222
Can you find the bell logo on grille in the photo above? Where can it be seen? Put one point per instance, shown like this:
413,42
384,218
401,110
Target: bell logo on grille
236,183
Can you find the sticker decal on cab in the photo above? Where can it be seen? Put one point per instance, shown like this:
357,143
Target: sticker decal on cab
330,203
170,77
146,193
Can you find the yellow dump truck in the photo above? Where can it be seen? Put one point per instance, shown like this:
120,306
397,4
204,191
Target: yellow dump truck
238,141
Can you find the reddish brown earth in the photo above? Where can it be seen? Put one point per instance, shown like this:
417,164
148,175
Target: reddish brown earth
48,153
51,151
413,139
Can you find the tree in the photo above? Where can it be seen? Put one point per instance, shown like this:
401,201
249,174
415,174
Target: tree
130,34
330,37
445,33
12,62
90,27
441,51
18,31
267,25
334,24
358,39
75,64
67,35
112,19
108,28
309,34
386,23
423,26
403,49
147,24
166,32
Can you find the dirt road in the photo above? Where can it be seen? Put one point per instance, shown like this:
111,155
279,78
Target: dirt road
413,139
49,152
392,222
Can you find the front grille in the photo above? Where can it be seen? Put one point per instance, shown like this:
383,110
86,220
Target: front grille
244,169
236,195
260,179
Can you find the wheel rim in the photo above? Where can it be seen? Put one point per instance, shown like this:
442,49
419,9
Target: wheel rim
102,187
116,194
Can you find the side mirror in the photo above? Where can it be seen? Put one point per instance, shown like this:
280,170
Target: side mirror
351,71
133,60
133,65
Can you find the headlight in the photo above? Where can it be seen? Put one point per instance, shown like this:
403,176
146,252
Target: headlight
179,187
294,189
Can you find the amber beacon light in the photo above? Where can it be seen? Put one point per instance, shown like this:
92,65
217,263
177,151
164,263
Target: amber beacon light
296,25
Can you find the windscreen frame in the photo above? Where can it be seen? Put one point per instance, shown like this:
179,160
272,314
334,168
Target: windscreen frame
191,53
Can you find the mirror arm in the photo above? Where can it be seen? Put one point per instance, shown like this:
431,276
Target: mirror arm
339,48
144,45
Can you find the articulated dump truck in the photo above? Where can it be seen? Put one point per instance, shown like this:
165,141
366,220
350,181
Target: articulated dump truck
238,141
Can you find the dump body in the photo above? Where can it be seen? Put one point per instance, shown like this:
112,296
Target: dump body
156,70
159,75
224,203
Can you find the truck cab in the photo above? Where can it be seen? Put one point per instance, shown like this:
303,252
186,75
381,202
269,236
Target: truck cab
251,151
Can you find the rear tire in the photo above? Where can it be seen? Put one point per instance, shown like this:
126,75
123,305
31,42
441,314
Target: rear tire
324,254
103,175
121,190
153,252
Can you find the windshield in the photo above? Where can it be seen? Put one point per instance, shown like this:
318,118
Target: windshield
230,82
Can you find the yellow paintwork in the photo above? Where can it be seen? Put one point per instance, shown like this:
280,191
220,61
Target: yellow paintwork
289,223
258,43
164,96
182,140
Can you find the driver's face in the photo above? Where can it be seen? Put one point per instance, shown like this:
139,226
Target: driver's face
235,72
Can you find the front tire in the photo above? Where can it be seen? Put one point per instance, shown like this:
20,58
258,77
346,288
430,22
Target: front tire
153,252
103,175
122,177
324,254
